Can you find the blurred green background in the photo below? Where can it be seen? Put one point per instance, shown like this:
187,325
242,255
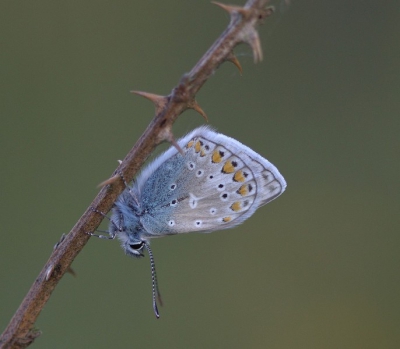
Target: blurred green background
317,268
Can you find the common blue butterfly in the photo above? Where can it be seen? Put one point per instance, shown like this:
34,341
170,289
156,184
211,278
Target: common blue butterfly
216,184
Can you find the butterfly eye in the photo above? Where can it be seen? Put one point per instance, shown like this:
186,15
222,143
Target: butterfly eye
136,249
138,246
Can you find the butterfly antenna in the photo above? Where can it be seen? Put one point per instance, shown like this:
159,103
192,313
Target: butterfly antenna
155,291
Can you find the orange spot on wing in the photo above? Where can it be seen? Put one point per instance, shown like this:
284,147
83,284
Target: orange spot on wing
243,190
197,146
216,157
228,167
236,206
238,177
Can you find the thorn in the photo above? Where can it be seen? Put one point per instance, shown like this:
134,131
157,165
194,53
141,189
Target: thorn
176,145
111,180
71,271
253,40
119,161
159,101
232,58
32,334
49,271
232,9
269,11
195,106
168,136
63,236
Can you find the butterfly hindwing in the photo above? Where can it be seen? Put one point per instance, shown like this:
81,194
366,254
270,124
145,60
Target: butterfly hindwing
216,184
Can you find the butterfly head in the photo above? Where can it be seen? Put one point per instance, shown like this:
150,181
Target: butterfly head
133,246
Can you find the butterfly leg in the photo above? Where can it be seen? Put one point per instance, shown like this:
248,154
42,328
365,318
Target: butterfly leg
110,235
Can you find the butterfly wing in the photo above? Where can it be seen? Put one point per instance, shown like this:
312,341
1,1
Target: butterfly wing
216,184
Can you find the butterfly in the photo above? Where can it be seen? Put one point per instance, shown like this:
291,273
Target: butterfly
215,184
